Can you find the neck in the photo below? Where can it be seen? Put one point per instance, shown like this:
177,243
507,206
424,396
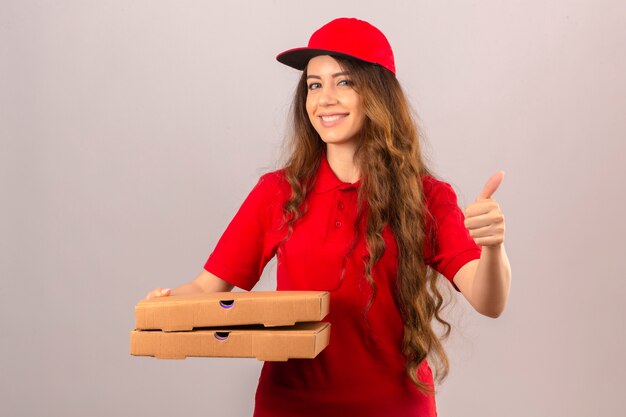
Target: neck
341,161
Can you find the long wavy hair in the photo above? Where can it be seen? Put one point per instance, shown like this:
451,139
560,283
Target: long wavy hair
390,162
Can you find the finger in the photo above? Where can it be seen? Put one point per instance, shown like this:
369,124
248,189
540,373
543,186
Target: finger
489,241
493,230
491,185
161,292
158,292
486,231
491,218
153,293
481,207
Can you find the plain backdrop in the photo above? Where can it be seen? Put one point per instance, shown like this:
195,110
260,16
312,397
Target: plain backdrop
131,131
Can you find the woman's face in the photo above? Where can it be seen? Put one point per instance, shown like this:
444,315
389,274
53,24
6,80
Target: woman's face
333,106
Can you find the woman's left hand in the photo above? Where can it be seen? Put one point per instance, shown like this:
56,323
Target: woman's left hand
483,218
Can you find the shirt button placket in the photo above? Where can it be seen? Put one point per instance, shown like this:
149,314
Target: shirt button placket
340,206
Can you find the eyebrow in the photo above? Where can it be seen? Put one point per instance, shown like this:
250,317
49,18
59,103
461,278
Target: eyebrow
338,74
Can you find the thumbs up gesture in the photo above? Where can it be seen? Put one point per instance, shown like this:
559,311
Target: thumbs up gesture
483,218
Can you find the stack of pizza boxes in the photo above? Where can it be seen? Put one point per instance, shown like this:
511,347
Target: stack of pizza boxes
269,326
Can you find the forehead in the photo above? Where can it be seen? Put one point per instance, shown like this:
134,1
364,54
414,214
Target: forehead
323,64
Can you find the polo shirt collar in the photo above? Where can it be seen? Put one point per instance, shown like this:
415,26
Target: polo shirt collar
326,180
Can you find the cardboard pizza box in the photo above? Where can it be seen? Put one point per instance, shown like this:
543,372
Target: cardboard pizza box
269,308
302,341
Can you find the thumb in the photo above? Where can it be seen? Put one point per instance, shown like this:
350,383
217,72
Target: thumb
491,185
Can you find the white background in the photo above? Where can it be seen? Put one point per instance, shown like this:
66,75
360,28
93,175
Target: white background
131,131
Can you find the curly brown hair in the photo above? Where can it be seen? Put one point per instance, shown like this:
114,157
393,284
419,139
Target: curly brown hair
391,165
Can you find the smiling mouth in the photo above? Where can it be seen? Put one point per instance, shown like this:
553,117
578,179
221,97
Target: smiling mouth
333,118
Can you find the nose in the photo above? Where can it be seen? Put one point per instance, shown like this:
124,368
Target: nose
328,96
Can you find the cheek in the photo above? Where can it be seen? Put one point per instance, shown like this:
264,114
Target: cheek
310,111
310,108
360,116
357,107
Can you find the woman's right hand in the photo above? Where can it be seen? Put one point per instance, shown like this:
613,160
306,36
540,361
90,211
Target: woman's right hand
158,292
204,282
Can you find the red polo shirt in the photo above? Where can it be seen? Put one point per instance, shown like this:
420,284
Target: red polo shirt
361,372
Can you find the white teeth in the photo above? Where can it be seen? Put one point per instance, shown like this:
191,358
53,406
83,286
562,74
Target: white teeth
332,118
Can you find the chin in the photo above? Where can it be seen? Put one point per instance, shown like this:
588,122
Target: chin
334,139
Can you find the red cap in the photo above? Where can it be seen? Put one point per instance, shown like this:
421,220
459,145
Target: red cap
344,37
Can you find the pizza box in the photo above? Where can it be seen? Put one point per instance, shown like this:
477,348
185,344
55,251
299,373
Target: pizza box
301,341
269,308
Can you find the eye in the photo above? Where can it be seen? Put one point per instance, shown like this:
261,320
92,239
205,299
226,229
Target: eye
314,86
347,83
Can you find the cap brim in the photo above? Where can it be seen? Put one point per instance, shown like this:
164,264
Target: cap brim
298,58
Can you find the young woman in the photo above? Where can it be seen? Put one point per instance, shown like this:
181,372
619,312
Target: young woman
356,212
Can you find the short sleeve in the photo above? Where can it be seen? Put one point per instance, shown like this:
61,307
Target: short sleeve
451,245
244,249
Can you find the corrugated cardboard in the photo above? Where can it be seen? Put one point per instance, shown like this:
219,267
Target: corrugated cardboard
269,308
304,340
